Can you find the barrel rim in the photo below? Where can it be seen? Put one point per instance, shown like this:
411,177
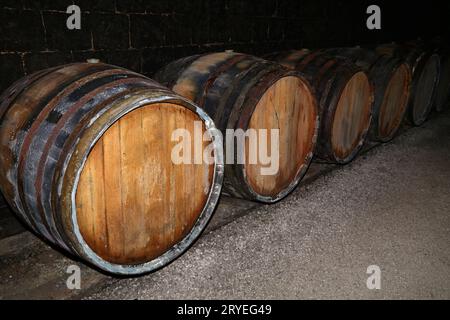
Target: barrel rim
74,234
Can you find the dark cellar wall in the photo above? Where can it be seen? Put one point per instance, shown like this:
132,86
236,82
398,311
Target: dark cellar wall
144,35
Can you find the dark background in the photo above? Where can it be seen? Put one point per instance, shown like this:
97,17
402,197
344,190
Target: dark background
144,35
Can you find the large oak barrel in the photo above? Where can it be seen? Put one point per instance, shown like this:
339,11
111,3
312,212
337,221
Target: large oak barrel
345,98
240,91
391,78
86,162
425,67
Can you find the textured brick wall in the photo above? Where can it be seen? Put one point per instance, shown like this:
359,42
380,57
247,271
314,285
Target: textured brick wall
143,35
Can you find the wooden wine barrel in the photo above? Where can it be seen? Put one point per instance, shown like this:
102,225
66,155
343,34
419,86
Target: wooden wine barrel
391,78
439,45
240,91
86,162
425,68
442,100
345,97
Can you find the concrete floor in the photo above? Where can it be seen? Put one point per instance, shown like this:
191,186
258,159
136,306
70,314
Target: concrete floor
390,208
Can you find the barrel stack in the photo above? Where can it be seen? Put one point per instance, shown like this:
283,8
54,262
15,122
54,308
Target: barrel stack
87,149
86,163
243,92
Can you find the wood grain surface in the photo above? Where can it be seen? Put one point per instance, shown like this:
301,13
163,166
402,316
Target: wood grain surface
289,107
352,115
133,202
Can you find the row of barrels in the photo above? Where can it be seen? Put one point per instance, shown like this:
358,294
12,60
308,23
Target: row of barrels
86,147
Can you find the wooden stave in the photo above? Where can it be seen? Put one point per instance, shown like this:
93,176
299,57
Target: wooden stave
223,109
139,90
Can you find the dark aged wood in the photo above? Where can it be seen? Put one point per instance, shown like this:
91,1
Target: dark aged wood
240,91
345,98
391,78
425,66
442,100
85,162
2,201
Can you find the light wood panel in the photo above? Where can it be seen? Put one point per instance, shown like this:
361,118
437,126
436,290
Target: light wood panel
289,106
352,115
133,202
394,102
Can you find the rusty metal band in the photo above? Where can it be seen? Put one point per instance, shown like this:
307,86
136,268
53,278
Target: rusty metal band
53,137
17,88
224,104
169,75
42,110
15,153
215,74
